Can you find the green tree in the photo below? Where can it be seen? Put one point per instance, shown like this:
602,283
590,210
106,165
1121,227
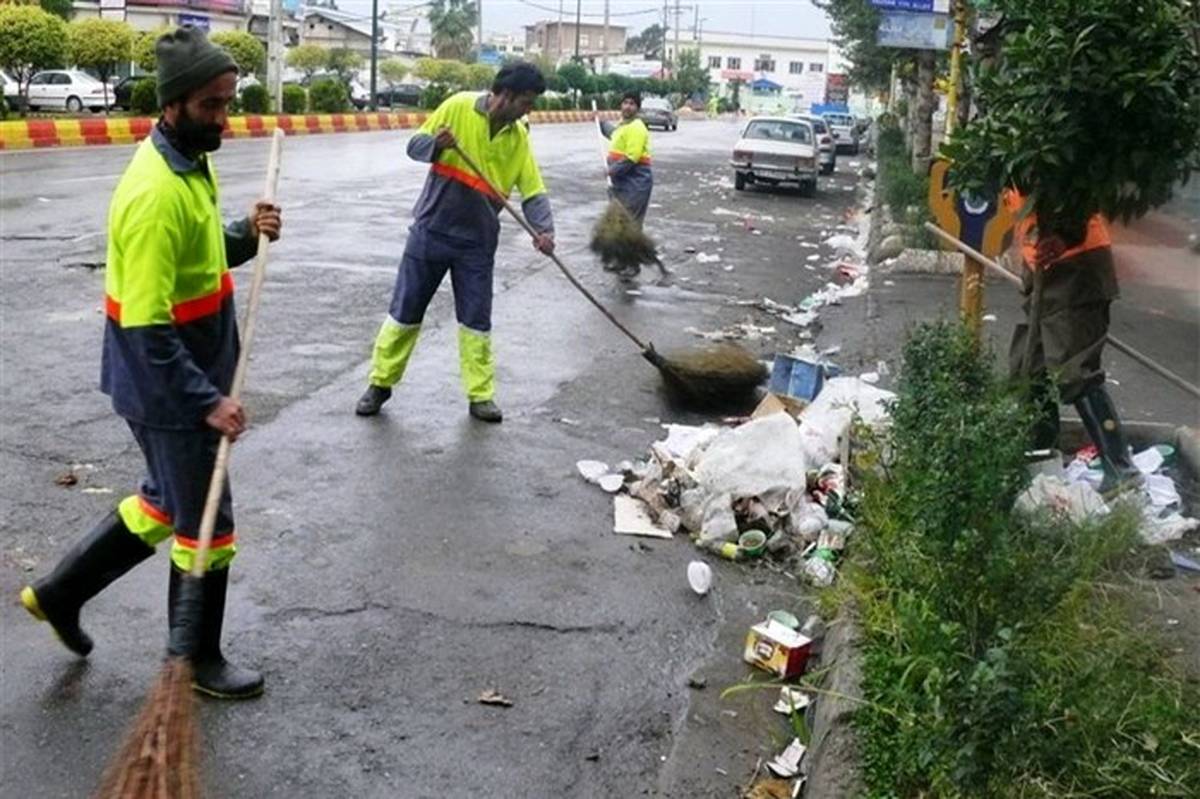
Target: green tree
1088,108
143,54
344,63
441,72
101,45
308,59
30,40
691,77
59,8
855,25
576,77
480,76
452,23
648,42
393,71
247,51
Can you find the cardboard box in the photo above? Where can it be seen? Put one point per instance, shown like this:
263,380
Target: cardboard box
780,650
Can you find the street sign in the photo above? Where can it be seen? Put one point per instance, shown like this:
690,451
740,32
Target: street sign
927,6
915,31
195,20
981,222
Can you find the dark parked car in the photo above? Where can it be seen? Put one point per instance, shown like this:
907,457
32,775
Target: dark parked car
123,91
657,112
400,94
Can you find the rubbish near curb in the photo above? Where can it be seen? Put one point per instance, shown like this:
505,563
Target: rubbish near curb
699,577
773,788
799,378
1184,562
632,517
777,649
492,697
791,700
787,763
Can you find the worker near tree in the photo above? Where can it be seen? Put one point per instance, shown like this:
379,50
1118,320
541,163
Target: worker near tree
1058,346
456,229
170,347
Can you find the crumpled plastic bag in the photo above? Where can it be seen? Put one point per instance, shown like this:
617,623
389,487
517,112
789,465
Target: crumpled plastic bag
828,418
720,523
748,461
1077,501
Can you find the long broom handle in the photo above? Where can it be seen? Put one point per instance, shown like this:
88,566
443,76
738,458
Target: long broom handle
208,522
534,234
1144,360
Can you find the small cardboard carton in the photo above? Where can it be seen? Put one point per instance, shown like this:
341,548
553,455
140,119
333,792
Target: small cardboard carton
778,649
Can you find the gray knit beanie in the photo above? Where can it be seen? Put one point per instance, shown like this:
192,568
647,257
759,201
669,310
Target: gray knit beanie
187,61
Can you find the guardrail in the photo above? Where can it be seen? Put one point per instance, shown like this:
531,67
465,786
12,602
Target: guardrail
26,134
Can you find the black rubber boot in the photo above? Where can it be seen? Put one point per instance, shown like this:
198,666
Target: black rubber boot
372,400
213,675
1044,399
486,411
95,561
1104,428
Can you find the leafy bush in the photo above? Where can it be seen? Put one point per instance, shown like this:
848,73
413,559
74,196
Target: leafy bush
994,664
143,100
328,96
255,99
295,99
433,95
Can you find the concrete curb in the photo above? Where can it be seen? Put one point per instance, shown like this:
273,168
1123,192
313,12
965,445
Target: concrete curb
26,134
834,768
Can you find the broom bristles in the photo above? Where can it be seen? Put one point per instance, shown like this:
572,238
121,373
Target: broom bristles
713,374
159,756
620,241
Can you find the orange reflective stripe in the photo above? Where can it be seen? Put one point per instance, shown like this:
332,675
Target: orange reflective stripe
1097,232
187,311
613,155
217,543
462,176
209,304
158,515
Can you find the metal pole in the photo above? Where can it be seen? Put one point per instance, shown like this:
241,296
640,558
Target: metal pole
479,14
666,25
578,25
675,55
960,27
982,260
275,54
558,38
604,56
374,52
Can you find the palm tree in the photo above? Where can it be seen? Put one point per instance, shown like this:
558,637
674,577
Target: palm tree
453,23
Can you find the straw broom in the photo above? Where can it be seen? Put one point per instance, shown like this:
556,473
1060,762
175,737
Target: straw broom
159,758
710,375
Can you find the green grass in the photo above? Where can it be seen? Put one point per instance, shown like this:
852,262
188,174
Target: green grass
1000,659
899,187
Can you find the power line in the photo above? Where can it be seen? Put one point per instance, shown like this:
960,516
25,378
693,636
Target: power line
613,14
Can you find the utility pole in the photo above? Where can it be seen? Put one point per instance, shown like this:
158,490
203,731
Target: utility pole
675,56
666,25
558,37
578,24
479,14
275,54
604,55
374,51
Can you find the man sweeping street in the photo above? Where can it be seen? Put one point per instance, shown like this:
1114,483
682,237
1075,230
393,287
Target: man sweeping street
629,159
1068,288
456,229
170,347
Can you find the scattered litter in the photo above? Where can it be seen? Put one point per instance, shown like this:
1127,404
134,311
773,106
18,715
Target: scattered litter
771,788
699,577
869,377
690,249
812,258
611,483
827,420
97,490
705,258
682,440
491,697
808,245
738,330
777,649
592,471
631,516
892,283
843,243
791,700
787,763
721,771
1078,501
567,421
760,456
1172,622
66,479
697,683
633,292
991,317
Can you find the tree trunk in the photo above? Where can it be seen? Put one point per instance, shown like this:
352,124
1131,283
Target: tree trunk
910,102
923,128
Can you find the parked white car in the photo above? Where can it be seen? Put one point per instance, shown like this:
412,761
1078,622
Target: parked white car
12,90
845,131
67,89
827,150
774,151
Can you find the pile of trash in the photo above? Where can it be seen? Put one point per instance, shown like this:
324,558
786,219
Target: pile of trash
1072,490
776,483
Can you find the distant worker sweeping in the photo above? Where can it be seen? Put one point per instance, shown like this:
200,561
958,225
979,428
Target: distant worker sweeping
456,229
170,349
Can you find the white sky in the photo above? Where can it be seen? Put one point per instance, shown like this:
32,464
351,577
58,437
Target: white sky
774,17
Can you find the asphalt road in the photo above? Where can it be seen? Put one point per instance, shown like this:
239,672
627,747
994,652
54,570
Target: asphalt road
393,568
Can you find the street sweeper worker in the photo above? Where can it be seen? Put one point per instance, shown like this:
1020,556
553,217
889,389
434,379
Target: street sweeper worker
1058,346
629,159
456,229
170,347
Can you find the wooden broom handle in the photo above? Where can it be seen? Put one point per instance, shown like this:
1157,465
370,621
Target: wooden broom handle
216,486
557,262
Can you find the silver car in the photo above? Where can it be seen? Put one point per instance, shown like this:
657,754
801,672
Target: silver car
657,112
845,131
826,149
774,151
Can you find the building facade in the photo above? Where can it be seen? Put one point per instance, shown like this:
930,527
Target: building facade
147,15
557,39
